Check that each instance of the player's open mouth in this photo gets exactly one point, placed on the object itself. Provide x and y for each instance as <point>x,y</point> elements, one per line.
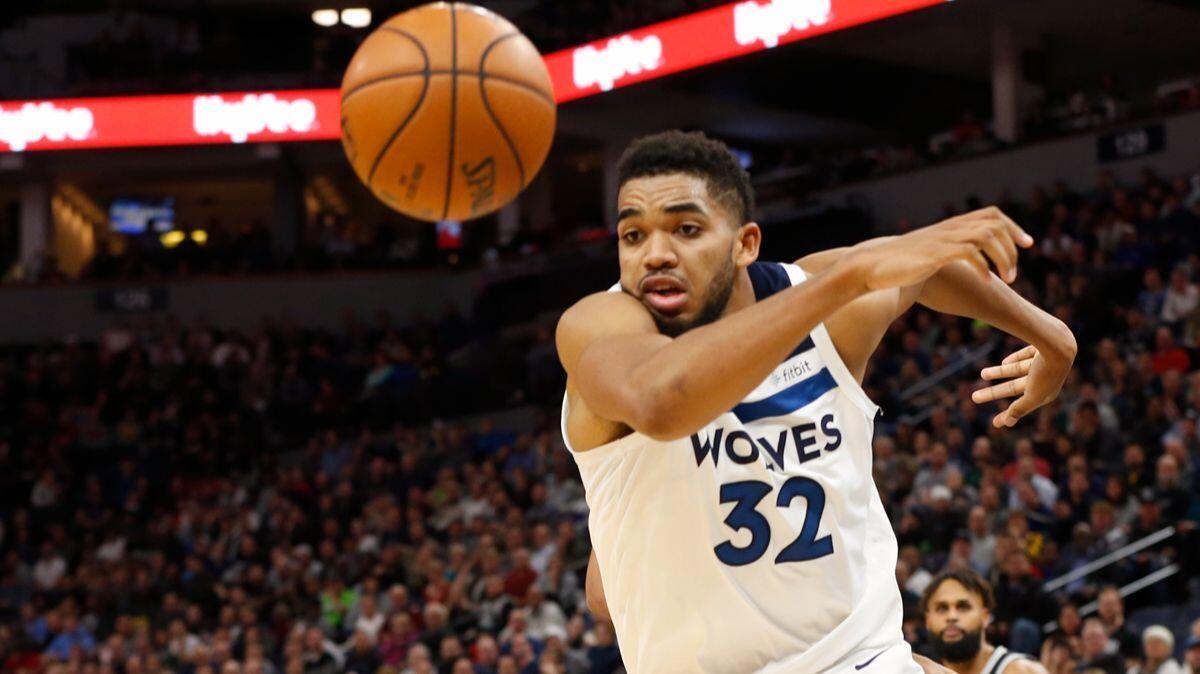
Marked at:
<point>664,294</point>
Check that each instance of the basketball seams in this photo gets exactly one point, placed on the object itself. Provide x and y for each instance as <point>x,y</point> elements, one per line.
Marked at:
<point>533,89</point>
<point>387,78</point>
<point>412,113</point>
<point>494,100</point>
<point>537,91</point>
<point>453,105</point>
<point>487,106</point>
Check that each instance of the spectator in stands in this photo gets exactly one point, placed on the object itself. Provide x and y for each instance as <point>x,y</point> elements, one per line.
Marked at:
<point>1150,298</point>
<point>1167,355</point>
<point>1191,657</point>
<point>203,500</point>
<point>1181,298</point>
<point>1157,646</point>
<point>1110,609</point>
<point>73,640</point>
<point>1099,652</point>
<point>1057,656</point>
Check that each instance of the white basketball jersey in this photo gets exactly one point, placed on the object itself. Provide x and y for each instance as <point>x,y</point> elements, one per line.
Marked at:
<point>758,544</point>
<point>1000,660</point>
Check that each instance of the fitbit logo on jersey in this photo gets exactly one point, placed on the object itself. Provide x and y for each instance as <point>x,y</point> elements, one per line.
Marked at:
<point>741,447</point>
<point>767,23</point>
<point>619,57</point>
<point>791,373</point>
<point>33,122</point>
<point>252,114</point>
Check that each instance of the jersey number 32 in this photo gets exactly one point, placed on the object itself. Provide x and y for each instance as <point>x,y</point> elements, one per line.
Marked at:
<point>746,496</point>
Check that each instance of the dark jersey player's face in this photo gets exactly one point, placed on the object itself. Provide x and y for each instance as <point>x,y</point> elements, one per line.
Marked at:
<point>679,249</point>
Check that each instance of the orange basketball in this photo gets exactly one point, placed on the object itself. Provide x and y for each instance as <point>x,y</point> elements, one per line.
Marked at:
<point>447,111</point>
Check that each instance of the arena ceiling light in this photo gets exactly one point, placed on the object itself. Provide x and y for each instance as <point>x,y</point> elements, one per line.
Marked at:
<point>325,17</point>
<point>356,17</point>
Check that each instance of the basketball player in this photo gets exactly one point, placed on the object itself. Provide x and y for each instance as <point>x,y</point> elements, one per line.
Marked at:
<point>958,608</point>
<point>715,411</point>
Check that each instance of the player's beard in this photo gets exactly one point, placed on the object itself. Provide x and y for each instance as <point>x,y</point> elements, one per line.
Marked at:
<point>720,290</point>
<point>963,650</point>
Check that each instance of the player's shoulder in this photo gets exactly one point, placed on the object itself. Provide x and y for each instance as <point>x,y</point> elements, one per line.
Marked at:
<point>598,315</point>
<point>1025,665</point>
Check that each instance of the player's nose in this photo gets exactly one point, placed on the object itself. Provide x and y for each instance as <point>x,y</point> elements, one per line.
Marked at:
<point>659,251</point>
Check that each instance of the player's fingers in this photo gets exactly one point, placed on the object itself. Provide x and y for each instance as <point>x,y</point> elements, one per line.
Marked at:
<point>1008,240</point>
<point>1027,352</point>
<point>1019,235</point>
<point>1007,370</point>
<point>1008,389</point>
<point>970,253</point>
<point>992,245</point>
<point>1018,409</point>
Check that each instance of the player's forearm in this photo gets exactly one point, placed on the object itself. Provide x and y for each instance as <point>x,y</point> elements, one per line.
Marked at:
<point>707,371</point>
<point>958,289</point>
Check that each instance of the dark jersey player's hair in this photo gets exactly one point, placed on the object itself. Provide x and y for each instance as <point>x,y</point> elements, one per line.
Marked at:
<point>696,154</point>
<point>968,578</point>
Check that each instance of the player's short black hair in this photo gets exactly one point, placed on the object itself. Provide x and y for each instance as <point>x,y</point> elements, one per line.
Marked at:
<point>696,154</point>
<point>968,578</point>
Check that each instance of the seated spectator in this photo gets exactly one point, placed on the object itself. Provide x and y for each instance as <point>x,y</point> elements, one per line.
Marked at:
<point>1110,611</point>
<point>1158,644</point>
<point>73,640</point>
<point>1167,355</point>
<point>1099,652</point>
<point>1181,298</point>
<point>1191,657</point>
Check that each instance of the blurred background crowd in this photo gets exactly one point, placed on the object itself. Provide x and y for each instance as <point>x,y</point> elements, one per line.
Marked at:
<point>275,428</point>
<point>195,499</point>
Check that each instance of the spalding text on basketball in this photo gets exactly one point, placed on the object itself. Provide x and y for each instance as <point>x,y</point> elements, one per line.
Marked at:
<point>620,56</point>
<point>767,23</point>
<point>482,179</point>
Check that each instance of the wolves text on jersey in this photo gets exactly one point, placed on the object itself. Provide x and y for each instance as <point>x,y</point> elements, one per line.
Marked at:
<point>800,443</point>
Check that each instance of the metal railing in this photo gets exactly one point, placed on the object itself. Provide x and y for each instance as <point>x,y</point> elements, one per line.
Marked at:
<point>1111,558</point>
<point>931,382</point>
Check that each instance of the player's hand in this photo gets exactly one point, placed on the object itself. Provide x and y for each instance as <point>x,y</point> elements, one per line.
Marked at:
<point>979,238</point>
<point>1028,375</point>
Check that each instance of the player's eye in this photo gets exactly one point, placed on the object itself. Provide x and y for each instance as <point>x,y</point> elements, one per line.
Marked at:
<point>689,229</point>
<point>631,236</point>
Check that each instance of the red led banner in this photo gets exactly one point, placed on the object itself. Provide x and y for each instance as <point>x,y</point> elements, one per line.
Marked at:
<point>184,119</point>
<point>713,35</point>
<point>690,41</point>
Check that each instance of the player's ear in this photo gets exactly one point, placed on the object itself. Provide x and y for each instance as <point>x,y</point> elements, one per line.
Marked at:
<point>747,244</point>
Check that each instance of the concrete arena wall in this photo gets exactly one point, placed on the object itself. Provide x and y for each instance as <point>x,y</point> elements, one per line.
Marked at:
<point>29,314</point>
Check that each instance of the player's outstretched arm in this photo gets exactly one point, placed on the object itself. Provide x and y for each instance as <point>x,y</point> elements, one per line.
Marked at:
<point>626,372</point>
<point>964,288</point>
<point>1035,374</point>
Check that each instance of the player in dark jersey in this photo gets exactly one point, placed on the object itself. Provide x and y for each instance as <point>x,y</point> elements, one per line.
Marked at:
<point>958,608</point>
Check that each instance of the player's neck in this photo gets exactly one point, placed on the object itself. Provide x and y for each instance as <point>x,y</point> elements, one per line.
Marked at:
<point>974,665</point>
<point>742,295</point>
